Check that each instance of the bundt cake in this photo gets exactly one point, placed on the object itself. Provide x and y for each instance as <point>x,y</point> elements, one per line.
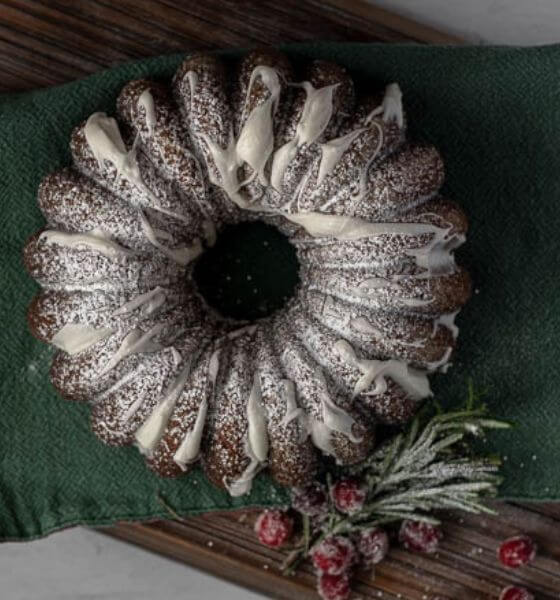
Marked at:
<point>373,314</point>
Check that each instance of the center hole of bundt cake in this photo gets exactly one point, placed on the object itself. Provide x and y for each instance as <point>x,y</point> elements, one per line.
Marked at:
<point>249,273</point>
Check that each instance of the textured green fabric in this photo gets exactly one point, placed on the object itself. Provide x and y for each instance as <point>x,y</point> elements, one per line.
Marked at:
<point>493,113</point>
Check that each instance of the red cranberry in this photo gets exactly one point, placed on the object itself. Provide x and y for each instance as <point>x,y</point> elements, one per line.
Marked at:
<point>274,528</point>
<point>348,495</point>
<point>334,555</point>
<point>310,500</point>
<point>419,536</point>
<point>373,545</point>
<point>517,551</point>
<point>513,592</point>
<point>334,587</point>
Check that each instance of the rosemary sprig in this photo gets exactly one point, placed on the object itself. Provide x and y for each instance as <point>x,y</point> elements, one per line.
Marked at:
<point>425,469</point>
<point>428,467</point>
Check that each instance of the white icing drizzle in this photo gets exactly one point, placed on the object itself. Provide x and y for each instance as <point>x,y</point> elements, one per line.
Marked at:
<point>282,158</point>
<point>146,101</point>
<point>358,197</point>
<point>392,104</point>
<point>447,320</point>
<point>163,235</point>
<point>120,382</point>
<point>105,141</point>
<point>435,258</point>
<point>152,301</point>
<point>320,436</point>
<point>177,358</point>
<point>369,287</point>
<point>106,144</point>
<point>257,433</point>
<point>192,78</point>
<point>415,302</point>
<point>256,442</point>
<point>255,143</point>
<point>214,366</point>
<point>133,408</point>
<point>315,116</point>
<point>236,333</point>
<point>152,430</point>
<point>293,411</point>
<point>75,337</point>
<point>413,381</point>
<point>391,108</point>
<point>243,484</point>
<point>227,164</point>
<point>182,256</point>
<point>189,448</point>
<point>375,283</point>
<point>363,326</point>
<point>352,228</point>
<point>134,342</point>
<point>256,139</point>
<point>334,417</point>
<point>331,152</point>
<point>442,364</point>
<point>95,240</point>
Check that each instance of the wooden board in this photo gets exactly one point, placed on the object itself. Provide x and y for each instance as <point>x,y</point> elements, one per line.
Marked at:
<point>48,42</point>
<point>465,568</point>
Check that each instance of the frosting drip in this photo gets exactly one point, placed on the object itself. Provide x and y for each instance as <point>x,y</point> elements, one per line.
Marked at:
<point>183,256</point>
<point>331,153</point>
<point>256,442</point>
<point>391,108</point>
<point>151,302</point>
<point>189,449</point>
<point>151,431</point>
<point>413,381</point>
<point>134,342</point>
<point>75,337</point>
<point>95,240</point>
<point>106,144</point>
<point>256,140</point>
<point>146,101</point>
<point>315,116</point>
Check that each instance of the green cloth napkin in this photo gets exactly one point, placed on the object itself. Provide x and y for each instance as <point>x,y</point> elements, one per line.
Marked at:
<point>495,115</point>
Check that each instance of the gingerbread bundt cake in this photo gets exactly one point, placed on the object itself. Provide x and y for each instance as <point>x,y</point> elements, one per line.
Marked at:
<point>373,314</point>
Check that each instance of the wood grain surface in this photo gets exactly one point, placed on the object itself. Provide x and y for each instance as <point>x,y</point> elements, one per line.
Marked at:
<point>465,568</point>
<point>48,42</point>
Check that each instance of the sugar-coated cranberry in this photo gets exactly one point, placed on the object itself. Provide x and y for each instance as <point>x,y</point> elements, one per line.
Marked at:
<point>373,545</point>
<point>517,551</point>
<point>348,495</point>
<point>512,592</point>
<point>334,555</point>
<point>333,587</point>
<point>274,528</point>
<point>310,500</point>
<point>419,536</point>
